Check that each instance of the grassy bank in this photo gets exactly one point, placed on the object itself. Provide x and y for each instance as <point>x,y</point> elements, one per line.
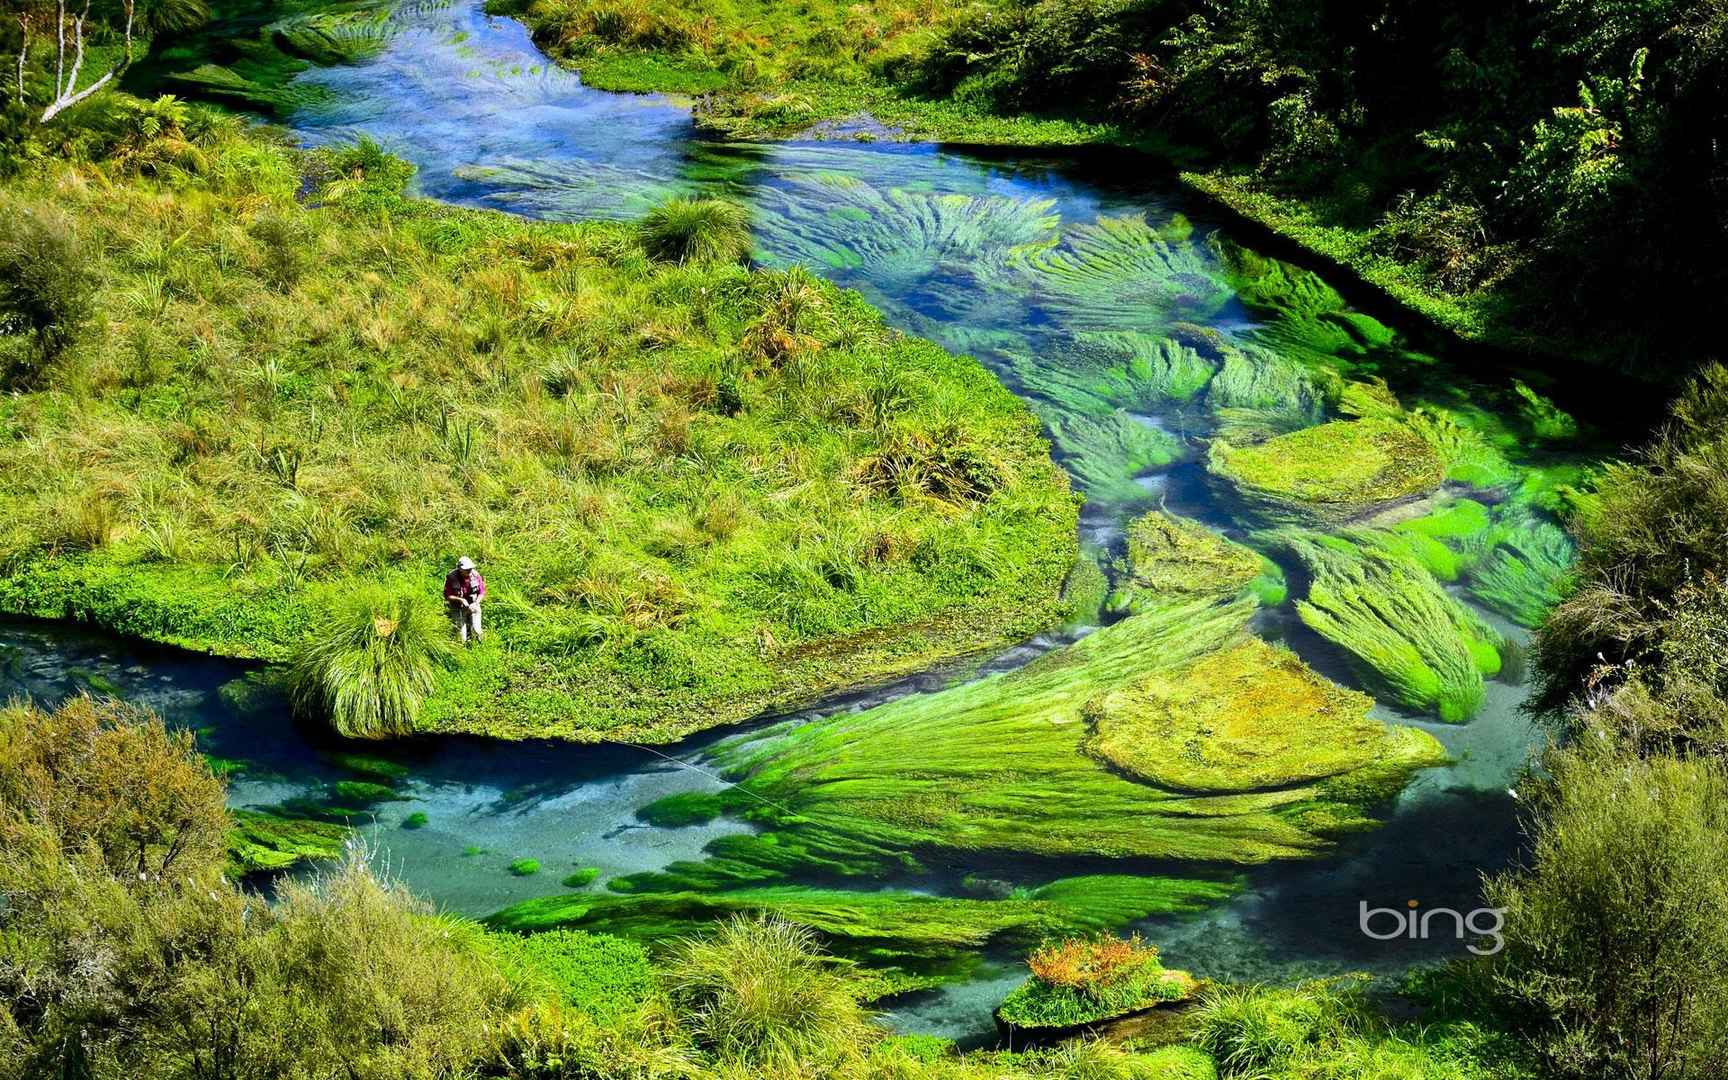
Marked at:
<point>697,491</point>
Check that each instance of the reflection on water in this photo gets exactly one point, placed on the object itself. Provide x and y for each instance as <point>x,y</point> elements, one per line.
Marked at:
<point>1032,264</point>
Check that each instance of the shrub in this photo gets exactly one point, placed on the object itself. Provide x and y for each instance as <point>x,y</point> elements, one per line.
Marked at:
<point>759,993</point>
<point>369,662</point>
<point>113,781</point>
<point>47,287</point>
<point>1617,929</point>
<point>686,231</point>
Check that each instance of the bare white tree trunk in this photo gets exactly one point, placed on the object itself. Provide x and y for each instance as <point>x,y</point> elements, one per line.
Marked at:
<point>23,51</point>
<point>131,10</point>
<point>66,93</point>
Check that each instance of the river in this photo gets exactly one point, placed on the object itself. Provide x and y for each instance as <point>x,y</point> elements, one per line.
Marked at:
<point>919,230</point>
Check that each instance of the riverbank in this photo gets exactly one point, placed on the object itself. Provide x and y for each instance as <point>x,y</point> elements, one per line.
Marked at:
<point>1046,75</point>
<point>698,492</point>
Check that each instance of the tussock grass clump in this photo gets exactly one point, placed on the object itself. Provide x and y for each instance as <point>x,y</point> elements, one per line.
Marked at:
<point>370,661</point>
<point>696,231</point>
<point>47,286</point>
<point>1329,474</point>
<point>1083,980</point>
<point>1250,716</point>
<point>1173,559</point>
<point>758,993</point>
<point>1408,634</point>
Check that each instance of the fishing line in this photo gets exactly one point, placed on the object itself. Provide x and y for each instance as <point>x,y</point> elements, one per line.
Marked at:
<point>715,777</point>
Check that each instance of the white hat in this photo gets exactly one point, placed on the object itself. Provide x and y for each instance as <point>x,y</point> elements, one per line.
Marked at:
<point>464,563</point>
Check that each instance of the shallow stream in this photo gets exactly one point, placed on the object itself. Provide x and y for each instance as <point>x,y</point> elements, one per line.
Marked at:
<point>923,232</point>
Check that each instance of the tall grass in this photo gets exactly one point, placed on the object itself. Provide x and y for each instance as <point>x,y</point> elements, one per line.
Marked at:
<point>696,231</point>
<point>370,661</point>
<point>757,993</point>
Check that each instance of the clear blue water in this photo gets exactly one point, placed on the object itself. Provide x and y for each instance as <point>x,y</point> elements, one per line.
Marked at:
<point>490,123</point>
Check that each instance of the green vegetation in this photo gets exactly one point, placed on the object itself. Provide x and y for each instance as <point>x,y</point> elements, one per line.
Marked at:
<point>1406,632</point>
<point>1084,980</point>
<point>416,820</point>
<point>582,878</point>
<point>346,975</point>
<point>1121,273</point>
<point>699,231</point>
<point>1249,717</point>
<point>1330,474</point>
<point>524,867</point>
<point>697,492</point>
<point>1171,559</point>
<point>369,661</point>
<point>266,841</point>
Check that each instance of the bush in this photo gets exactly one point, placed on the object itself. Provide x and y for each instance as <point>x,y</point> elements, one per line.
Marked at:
<point>1617,930</point>
<point>687,231</point>
<point>47,287</point>
<point>369,662</point>
<point>758,993</point>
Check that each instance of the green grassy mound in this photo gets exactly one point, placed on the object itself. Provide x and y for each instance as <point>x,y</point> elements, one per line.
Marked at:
<point>697,492</point>
<point>1083,981</point>
<point>1248,717</point>
<point>1409,635</point>
<point>1329,474</point>
<point>1174,559</point>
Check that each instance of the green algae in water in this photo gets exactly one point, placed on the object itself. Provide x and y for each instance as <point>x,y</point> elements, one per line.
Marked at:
<point>262,841</point>
<point>685,808</point>
<point>1245,718</point>
<point>524,867</point>
<point>572,190</point>
<point>416,820</point>
<point>1097,372</point>
<point>1521,568</point>
<point>1329,474</point>
<point>900,236</point>
<point>1107,455</point>
<point>925,939</point>
<point>1174,559</point>
<point>582,878</point>
<point>1122,273</point>
<point>1412,638</point>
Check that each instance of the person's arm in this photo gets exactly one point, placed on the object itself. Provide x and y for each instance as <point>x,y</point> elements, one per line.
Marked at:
<point>452,590</point>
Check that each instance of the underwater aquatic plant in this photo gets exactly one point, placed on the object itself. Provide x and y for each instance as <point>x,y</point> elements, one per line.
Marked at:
<point>1107,455</point>
<point>571,190</point>
<point>1469,457</point>
<point>1546,421</point>
<point>368,662</point>
<point>336,37</point>
<point>1258,394</point>
<point>1248,717</point>
<point>1172,559</point>
<point>1098,371</point>
<point>696,231</point>
<point>1415,640</point>
<point>1328,474</point>
<point>1122,273</point>
<point>1522,563</point>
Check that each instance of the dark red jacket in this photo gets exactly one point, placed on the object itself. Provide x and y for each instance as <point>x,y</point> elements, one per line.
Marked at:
<point>464,585</point>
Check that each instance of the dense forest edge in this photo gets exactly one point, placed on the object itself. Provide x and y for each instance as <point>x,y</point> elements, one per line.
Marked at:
<point>133,948</point>
<point>1545,179</point>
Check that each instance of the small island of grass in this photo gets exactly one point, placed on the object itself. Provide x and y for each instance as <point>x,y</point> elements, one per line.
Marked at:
<point>1080,982</point>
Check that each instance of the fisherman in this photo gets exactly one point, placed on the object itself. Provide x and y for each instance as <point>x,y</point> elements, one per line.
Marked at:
<point>464,588</point>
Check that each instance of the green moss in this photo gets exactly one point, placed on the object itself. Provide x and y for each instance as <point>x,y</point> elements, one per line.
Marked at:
<point>1248,717</point>
<point>525,867</point>
<point>605,977</point>
<point>582,878</point>
<point>362,793</point>
<point>1329,474</point>
<point>265,841</point>
<point>1173,559</point>
<point>1407,634</point>
<point>416,820</point>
